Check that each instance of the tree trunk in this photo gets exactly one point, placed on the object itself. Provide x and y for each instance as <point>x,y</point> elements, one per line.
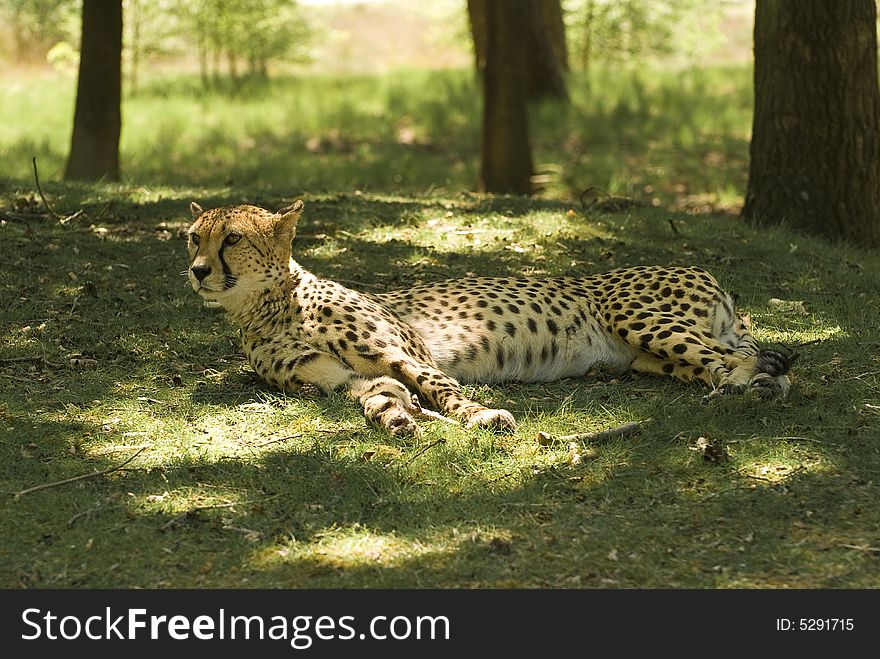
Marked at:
<point>204,66</point>
<point>232,61</point>
<point>479,31</point>
<point>94,150</point>
<point>543,40</point>
<point>587,42</point>
<point>554,24</point>
<point>135,16</point>
<point>547,52</point>
<point>505,150</point>
<point>815,151</point>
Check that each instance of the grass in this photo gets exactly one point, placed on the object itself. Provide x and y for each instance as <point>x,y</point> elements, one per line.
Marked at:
<point>106,350</point>
<point>672,138</point>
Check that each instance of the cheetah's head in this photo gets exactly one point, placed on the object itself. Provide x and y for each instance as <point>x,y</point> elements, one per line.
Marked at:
<point>238,251</point>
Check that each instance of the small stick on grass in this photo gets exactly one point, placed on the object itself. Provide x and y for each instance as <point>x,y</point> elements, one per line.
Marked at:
<point>431,414</point>
<point>82,477</point>
<point>83,513</point>
<point>20,220</point>
<point>423,450</point>
<point>276,440</point>
<point>58,216</point>
<point>625,430</point>
<point>866,548</point>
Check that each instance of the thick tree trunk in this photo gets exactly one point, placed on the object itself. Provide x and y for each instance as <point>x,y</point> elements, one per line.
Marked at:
<point>544,42</point>
<point>815,151</point>
<point>506,153</point>
<point>94,150</point>
<point>479,31</point>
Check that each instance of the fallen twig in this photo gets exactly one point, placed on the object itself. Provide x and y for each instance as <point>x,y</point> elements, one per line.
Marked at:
<point>294,436</point>
<point>625,430</point>
<point>83,513</point>
<point>58,216</point>
<point>52,211</point>
<point>431,414</point>
<point>46,486</point>
<point>423,450</point>
<point>277,440</point>
<point>865,548</point>
<point>19,220</point>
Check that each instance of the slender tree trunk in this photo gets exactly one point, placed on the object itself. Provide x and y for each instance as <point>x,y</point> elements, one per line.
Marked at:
<point>216,57</point>
<point>204,67</point>
<point>588,27</point>
<point>232,61</point>
<point>134,14</point>
<point>815,151</point>
<point>506,153</point>
<point>554,23</point>
<point>94,150</point>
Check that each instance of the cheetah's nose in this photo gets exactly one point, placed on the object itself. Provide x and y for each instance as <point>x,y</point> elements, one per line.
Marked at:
<point>201,271</point>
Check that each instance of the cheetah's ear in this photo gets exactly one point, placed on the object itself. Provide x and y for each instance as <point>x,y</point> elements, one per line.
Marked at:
<point>196,210</point>
<point>286,225</point>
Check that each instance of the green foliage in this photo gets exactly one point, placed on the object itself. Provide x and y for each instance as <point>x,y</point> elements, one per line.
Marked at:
<point>106,351</point>
<point>630,30</point>
<point>239,38</point>
<point>664,137</point>
<point>257,32</point>
<point>32,27</point>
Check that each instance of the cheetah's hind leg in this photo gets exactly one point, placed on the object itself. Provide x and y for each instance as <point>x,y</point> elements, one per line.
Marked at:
<point>766,374</point>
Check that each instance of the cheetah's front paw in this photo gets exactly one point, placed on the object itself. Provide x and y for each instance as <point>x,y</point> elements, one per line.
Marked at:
<point>387,413</point>
<point>770,386</point>
<point>387,405</point>
<point>499,420</point>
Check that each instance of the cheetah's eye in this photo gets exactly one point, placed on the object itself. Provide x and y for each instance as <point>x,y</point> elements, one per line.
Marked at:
<point>195,238</point>
<point>232,238</point>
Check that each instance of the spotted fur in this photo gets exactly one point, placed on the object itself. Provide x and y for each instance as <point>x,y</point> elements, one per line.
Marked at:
<point>297,328</point>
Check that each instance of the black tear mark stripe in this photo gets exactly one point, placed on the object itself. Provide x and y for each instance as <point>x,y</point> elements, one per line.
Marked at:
<point>228,278</point>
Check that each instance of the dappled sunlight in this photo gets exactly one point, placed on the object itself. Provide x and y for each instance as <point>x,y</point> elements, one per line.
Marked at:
<point>766,331</point>
<point>414,131</point>
<point>775,472</point>
<point>239,485</point>
<point>342,548</point>
<point>178,503</point>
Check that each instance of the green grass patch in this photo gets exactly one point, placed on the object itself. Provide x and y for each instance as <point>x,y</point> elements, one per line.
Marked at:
<point>106,351</point>
<point>672,138</point>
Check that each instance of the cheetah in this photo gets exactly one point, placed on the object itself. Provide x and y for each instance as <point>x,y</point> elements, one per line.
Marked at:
<point>397,351</point>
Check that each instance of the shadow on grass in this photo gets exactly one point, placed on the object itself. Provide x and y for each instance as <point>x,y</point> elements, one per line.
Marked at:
<point>303,518</point>
<point>319,511</point>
